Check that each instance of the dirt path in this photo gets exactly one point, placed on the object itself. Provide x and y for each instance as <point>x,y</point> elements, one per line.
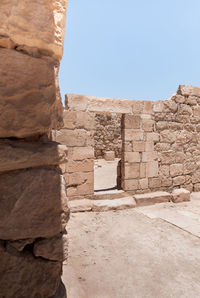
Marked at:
<point>125,254</point>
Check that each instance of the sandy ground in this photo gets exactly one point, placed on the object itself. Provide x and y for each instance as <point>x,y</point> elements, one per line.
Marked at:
<point>129,254</point>
<point>105,174</point>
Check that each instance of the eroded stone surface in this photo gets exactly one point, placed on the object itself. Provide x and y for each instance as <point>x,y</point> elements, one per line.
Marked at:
<point>22,275</point>
<point>20,155</point>
<point>180,195</point>
<point>32,204</point>
<point>28,95</point>
<point>152,198</point>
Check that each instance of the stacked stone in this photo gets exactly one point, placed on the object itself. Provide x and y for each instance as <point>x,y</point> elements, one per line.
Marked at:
<point>107,134</point>
<point>78,135</point>
<point>33,204</point>
<point>178,124</point>
<point>139,159</point>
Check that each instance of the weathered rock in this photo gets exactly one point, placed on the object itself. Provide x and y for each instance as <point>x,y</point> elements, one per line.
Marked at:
<point>20,155</point>
<point>28,95</point>
<point>115,204</point>
<point>109,155</point>
<point>20,244</point>
<point>54,248</point>
<point>80,205</point>
<point>38,24</point>
<point>180,195</point>
<point>187,90</point>
<point>35,207</point>
<point>22,275</point>
<point>152,198</point>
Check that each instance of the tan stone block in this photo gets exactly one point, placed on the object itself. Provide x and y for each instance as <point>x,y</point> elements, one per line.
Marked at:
<point>80,153</point>
<point>78,178</point>
<point>72,138</point>
<point>109,155</point>
<point>164,170</point>
<point>54,248</point>
<point>191,167</point>
<point>72,191</point>
<point>143,170</point>
<point>196,111</point>
<point>20,216</point>
<point>147,125</point>
<point>149,156</point>
<point>80,166</point>
<point>158,106</point>
<point>133,135</point>
<point>143,183</point>
<point>28,108</point>
<point>131,171</point>
<point>152,169</point>
<point>168,157</point>
<point>167,136</point>
<point>152,198</point>
<point>148,107</point>
<point>176,170</point>
<point>166,181</point>
<point>43,30</point>
<point>190,187</point>
<point>16,155</point>
<point>138,146</point>
<point>170,106</point>
<point>162,125</point>
<point>130,185</point>
<point>131,121</point>
<point>187,90</point>
<point>132,157</point>
<point>196,177</point>
<point>127,146</point>
<point>196,187</point>
<point>152,136</point>
<point>180,195</point>
<point>162,147</point>
<point>179,180</point>
<point>185,109</point>
<point>85,189</point>
<point>149,146</point>
<point>154,183</point>
<point>137,106</point>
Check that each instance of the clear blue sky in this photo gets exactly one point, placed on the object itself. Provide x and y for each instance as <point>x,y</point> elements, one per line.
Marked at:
<point>136,49</point>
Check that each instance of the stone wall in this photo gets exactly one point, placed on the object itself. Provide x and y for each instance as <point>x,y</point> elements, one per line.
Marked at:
<point>161,144</point>
<point>107,134</point>
<point>33,202</point>
<point>78,135</point>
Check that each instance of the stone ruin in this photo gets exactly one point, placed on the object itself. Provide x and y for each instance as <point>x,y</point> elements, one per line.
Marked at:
<point>160,147</point>
<point>33,204</point>
<point>160,142</point>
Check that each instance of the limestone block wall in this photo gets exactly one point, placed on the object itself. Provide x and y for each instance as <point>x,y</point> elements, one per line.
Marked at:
<point>33,202</point>
<point>78,135</point>
<point>107,134</point>
<point>161,144</point>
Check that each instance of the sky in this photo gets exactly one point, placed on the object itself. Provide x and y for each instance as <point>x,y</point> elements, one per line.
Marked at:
<point>134,49</point>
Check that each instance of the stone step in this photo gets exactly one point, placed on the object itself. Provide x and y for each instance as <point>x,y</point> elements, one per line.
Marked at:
<point>115,204</point>
<point>101,205</point>
<point>110,195</point>
<point>152,198</point>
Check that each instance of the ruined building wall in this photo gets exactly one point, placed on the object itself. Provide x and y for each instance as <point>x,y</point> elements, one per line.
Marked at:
<point>78,135</point>
<point>107,134</point>
<point>161,148</point>
<point>33,203</point>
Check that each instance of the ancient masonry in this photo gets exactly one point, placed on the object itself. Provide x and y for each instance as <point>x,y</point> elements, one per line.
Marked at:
<point>160,142</point>
<point>33,204</point>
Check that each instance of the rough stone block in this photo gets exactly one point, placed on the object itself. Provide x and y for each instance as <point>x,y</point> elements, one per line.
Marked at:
<point>20,216</point>
<point>34,275</point>
<point>34,25</point>
<point>72,138</point>
<point>187,90</point>
<point>153,136</point>
<point>149,146</point>
<point>78,178</point>
<point>154,183</point>
<point>109,155</point>
<point>147,125</point>
<point>54,248</point>
<point>131,121</point>
<point>143,183</point>
<point>143,170</point>
<point>148,107</point>
<point>180,195</point>
<point>152,169</point>
<point>138,146</point>
<point>86,165</point>
<point>132,157</point>
<point>78,119</point>
<point>28,95</point>
<point>176,170</point>
<point>131,170</point>
<point>20,155</point>
<point>115,204</point>
<point>80,153</point>
<point>80,205</point>
<point>179,180</point>
<point>130,185</point>
<point>149,156</point>
<point>152,198</point>
<point>133,135</point>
